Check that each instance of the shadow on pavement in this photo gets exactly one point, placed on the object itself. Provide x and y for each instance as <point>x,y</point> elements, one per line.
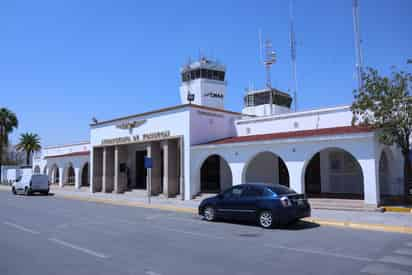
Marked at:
<point>300,225</point>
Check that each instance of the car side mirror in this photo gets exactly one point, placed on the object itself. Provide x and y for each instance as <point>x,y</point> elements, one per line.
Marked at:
<point>220,196</point>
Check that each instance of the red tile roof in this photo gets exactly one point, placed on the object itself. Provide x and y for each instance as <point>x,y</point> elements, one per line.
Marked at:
<point>84,153</point>
<point>295,134</point>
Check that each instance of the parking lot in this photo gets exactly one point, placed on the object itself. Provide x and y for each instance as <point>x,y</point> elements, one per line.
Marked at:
<point>50,235</point>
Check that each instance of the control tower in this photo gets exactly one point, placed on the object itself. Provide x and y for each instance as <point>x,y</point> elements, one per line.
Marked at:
<point>203,83</point>
<point>257,102</point>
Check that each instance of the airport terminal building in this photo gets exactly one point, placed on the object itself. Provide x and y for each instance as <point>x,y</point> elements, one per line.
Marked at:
<point>198,147</point>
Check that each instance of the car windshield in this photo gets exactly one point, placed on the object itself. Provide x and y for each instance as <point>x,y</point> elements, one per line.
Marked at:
<point>281,190</point>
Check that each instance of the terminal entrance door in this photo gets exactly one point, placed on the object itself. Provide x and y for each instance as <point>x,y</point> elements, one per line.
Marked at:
<point>141,173</point>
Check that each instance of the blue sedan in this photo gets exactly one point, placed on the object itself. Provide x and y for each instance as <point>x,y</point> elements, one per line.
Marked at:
<point>269,205</point>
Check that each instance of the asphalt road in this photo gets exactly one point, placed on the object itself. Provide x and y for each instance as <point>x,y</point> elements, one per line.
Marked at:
<point>49,235</point>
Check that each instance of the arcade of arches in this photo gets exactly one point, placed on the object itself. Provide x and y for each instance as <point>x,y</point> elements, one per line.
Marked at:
<point>67,176</point>
<point>331,172</point>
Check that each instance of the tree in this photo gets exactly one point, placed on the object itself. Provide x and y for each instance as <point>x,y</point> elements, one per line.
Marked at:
<point>385,103</point>
<point>8,122</point>
<point>29,143</point>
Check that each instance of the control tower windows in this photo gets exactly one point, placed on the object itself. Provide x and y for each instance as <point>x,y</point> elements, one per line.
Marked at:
<point>203,73</point>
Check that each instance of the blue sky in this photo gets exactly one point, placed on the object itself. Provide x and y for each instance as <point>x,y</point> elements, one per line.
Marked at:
<point>62,62</point>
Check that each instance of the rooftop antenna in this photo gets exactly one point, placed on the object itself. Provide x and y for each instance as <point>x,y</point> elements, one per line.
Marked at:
<point>358,43</point>
<point>270,59</point>
<point>293,57</point>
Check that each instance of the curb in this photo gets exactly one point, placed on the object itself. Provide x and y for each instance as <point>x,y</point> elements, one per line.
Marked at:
<point>397,209</point>
<point>363,226</point>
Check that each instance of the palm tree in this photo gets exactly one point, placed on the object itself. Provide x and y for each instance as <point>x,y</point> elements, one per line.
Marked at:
<point>8,122</point>
<point>29,143</point>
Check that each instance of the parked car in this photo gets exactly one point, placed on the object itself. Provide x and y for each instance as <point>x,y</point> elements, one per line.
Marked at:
<point>29,184</point>
<point>269,205</point>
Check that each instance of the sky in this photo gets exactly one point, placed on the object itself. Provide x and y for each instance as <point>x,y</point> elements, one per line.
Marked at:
<point>64,62</point>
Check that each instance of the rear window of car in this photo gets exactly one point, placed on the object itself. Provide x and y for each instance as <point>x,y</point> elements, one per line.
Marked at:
<point>40,177</point>
<point>281,190</point>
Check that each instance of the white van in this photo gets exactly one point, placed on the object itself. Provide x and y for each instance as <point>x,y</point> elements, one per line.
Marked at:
<point>29,184</point>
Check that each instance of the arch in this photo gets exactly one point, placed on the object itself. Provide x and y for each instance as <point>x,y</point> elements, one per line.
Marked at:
<point>69,175</point>
<point>36,170</point>
<point>215,175</point>
<point>85,179</point>
<point>266,167</point>
<point>333,172</point>
<point>45,170</point>
<point>54,174</point>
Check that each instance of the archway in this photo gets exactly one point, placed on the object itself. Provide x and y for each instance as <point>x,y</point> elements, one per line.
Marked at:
<point>215,175</point>
<point>37,169</point>
<point>267,168</point>
<point>85,175</point>
<point>45,170</point>
<point>334,173</point>
<point>69,175</point>
<point>54,174</point>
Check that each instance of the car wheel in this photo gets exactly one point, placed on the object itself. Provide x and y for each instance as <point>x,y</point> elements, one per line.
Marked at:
<point>27,191</point>
<point>13,190</point>
<point>46,193</point>
<point>209,213</point>
<point>266,219</point>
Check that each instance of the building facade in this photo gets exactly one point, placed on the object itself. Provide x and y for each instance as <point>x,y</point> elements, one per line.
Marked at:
<point>66,165</point>
<point>199,147</point>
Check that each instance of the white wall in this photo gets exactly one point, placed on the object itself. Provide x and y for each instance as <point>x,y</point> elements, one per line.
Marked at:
<point>201,88</point>
<point>206,126</point>
<point>264,110</point>
<point>316,119</point>
<point>65,149</point>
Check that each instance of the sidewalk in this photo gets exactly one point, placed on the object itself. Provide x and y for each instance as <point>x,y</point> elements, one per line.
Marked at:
<point>377,221</point>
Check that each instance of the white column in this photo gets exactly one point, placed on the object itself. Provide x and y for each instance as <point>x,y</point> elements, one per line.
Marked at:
<point>61,177</point>
<point>370,181</point>
<point>77,178</point>
<point>116,170</point>
<point>165,147</point>
<point>91,169</point>
<point>237,172</point>
<point>296,176</point>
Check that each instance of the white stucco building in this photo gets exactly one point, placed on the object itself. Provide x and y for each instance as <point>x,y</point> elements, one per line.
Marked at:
<point>199,147</point>
<point>65,164</point>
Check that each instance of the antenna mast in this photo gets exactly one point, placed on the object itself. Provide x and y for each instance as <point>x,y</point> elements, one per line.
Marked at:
<point>358,42</point>
<point>293,57</point>
<point>270,59</point>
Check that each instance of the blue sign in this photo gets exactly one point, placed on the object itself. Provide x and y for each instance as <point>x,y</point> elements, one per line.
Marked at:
<point>148,162</point>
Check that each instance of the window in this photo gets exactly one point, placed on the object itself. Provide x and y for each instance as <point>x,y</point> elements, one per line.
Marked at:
<point>281,190</point>
<point>252,191</point>
<point>235,192</point>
